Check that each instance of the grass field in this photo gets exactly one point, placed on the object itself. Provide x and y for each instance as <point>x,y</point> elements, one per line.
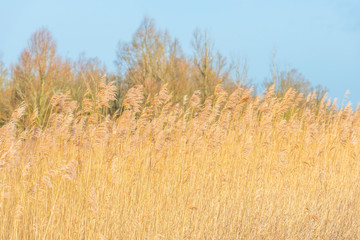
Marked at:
<point>228,167</point>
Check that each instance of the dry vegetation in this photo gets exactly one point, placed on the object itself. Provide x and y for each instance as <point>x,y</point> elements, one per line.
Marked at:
<point>171,147</point>
<point>233,167</point>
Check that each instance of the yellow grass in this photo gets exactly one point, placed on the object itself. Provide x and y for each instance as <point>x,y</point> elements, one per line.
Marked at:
<point>235,167</point>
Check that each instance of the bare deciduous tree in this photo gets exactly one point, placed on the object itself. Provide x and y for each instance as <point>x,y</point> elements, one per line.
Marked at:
<point>39,73</point>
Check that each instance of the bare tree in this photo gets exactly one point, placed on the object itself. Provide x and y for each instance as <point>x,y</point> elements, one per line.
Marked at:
<point>211,68</point>
<point>151,59</point>
<point>39,73</point>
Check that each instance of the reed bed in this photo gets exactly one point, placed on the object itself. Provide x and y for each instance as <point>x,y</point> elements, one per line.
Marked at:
<point>232,166</point>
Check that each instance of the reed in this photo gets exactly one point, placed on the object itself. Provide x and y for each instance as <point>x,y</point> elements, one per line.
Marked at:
<point>227,167</point>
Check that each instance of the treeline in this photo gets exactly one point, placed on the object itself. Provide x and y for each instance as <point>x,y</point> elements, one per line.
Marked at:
<point>152,59</point>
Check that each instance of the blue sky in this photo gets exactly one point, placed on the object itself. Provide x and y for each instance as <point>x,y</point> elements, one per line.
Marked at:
<point>320,38</point>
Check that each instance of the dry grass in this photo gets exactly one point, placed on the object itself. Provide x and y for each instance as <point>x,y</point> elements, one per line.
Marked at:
<point>235,167</point>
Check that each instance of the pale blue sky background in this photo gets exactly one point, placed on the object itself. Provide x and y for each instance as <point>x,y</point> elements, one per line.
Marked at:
<point>320,38</point>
